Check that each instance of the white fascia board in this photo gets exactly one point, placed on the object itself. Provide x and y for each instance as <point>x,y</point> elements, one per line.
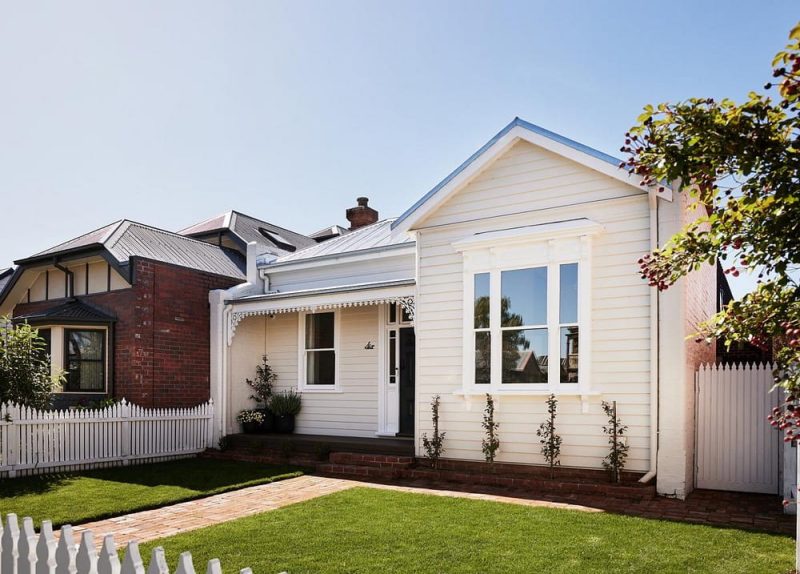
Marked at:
<point>504,143</point>
<point>530,233</point>
<point>397,250</point>
<point>324,300</point>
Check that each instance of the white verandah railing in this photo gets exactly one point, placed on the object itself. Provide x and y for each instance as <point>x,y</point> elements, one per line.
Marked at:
<point>36,441</point>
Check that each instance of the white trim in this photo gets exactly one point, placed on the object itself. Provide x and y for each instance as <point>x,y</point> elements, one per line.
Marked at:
<point>369,254</point>
<point>318,301</point>
<point>516,134</point>
<point>302,382</point>
<point>530,233</point>
<point>498,257</point>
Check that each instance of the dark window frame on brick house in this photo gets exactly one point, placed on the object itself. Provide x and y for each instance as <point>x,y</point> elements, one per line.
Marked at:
<point>70,359</point>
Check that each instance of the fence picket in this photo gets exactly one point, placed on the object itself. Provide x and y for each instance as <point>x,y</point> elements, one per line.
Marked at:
<point>27,548</point>
<point>108,561</point>
<point>158,562</point>
<point>46,550</point>
<point>66,552</point>
<point>185,565</point>
<point>9,543</point>
<point>132,563</point>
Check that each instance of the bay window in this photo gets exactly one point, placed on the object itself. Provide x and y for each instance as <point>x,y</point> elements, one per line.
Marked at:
<point>526,320</point>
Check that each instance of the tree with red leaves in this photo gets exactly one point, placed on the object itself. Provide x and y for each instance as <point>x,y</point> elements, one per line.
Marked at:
<point>741,162</point>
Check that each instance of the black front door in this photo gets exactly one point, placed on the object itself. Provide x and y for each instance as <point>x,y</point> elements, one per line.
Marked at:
<point>407,350</point>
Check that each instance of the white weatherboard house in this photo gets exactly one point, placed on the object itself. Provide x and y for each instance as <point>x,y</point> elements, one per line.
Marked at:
<point>517,275</point>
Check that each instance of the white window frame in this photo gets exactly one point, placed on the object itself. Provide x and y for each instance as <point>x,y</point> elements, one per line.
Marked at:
<point>302,384</point>
<point>527,250</point>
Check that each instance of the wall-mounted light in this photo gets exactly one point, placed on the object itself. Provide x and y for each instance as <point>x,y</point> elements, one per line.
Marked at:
<point>369,346</point>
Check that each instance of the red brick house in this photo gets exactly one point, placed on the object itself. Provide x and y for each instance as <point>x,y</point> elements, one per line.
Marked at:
<point>125,308</point>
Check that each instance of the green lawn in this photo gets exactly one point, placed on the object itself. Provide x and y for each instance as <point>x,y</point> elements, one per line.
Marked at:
<point>369,530</point>
<point>90,495</point>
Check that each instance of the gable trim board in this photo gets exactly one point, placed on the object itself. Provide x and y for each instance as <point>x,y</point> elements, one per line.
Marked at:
<point>515,131</point>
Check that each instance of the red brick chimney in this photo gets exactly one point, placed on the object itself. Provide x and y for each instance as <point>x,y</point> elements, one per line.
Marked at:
<point>362,214</point>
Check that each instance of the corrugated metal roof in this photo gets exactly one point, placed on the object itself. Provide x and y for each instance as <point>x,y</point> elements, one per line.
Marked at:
<point>276,241</point>
<point>133,239</point>
<point>91,238</point>
<point>125,239</point>
<point>372,236</point>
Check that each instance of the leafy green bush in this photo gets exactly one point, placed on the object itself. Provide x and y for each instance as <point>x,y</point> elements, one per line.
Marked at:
<point>25,375</point>
<point>285,403</point>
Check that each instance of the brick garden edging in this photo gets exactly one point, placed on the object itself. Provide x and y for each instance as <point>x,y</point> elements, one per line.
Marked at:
<point>528,483</point>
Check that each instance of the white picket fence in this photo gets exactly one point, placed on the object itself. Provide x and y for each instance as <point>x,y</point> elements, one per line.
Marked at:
<point>736,448</point>
<point>23,551</point>
<point>35,441</point>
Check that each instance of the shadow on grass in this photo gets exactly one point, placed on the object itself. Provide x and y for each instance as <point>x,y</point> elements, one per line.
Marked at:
<point>36,484</point>
<point>197,474</point>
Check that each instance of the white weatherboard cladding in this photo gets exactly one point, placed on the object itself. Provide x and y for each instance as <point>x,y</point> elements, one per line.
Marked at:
<point>529,186</point>
<point>353,411</point>
<point>378,269</point>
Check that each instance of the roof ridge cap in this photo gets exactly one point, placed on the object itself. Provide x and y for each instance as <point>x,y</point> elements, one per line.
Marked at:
<point>174,234</point>
<point>225,214</point>
<point>76,238</point>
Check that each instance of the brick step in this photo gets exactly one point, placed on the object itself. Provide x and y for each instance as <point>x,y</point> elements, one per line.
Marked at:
<point>359,471</point>
<point>373,460</point>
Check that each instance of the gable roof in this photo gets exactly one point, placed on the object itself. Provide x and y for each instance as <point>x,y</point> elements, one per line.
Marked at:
<point>125,239</point>
<point>368,238</point>
<point>515,131</point>
<point>244,229</point>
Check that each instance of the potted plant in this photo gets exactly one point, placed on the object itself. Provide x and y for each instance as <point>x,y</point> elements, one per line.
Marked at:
<point>285,406</point>
<point>251,420</point>
<point>262,391</point>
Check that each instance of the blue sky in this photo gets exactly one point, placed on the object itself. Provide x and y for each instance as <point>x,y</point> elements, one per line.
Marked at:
<point>168,112</point>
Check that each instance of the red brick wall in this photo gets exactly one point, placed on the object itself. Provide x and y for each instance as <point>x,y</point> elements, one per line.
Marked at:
<point>701,301</point>
<point>161,337</point>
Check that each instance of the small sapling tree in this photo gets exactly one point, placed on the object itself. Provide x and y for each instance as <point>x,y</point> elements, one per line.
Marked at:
<point>434,446</point>
<point>491,442</point>
<point>549,438</point>
<point>262,384</point>
<point>614,462</point>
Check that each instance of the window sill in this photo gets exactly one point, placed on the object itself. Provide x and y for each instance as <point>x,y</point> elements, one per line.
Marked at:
<point>524,392</point>
<point>312,391</point>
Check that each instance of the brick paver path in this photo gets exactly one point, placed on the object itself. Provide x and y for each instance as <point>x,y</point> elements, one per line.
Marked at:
<point>194,514</point>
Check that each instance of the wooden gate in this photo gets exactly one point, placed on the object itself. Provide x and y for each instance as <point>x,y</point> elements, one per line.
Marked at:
<point>736,448</point>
